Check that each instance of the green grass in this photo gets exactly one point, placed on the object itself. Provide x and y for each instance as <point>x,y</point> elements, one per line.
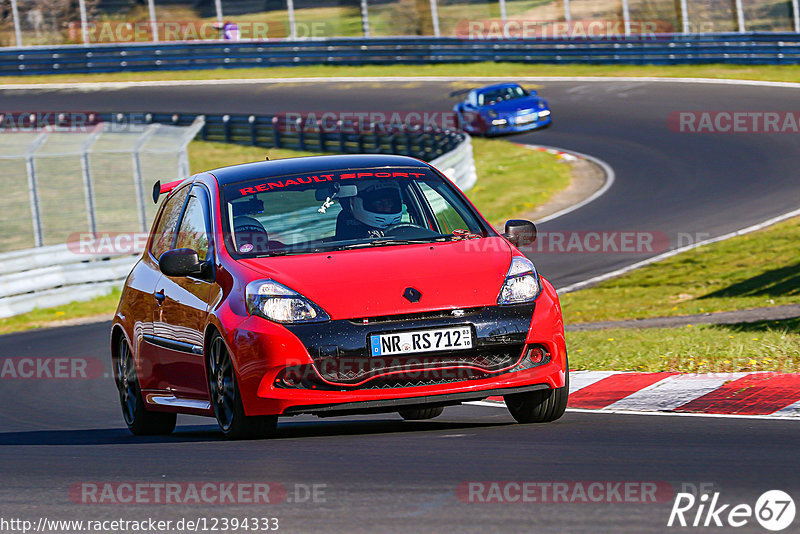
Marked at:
<point>786,73</point>
<point>764,346</point>
<point>750,271</point>
<point>204,155</point>
<point>104,305</point>
<point>495,178</point>
<point>513,180</point>
<point>758,269</point>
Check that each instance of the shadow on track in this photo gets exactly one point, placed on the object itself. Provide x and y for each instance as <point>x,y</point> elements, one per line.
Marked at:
<point>201,433</point>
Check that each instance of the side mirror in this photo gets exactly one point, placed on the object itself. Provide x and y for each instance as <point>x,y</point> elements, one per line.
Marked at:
<point>520,233</point>
<point>180,262</point>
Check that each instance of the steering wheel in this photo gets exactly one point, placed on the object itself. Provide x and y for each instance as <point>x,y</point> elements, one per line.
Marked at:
<point>408,230</point>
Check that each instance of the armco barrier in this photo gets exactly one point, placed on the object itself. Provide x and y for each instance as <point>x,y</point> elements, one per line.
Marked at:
<point>746,48</point>
<point>56,275</point>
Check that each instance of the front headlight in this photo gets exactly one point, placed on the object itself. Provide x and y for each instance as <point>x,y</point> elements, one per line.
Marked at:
<point>522,283</point>
<point>276,302</point>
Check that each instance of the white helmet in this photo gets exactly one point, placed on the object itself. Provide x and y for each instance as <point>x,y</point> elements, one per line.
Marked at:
<point>378,204</point>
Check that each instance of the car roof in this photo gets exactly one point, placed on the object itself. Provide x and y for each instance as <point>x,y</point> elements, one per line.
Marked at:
<point>497,86</point>
<point>310,164</point>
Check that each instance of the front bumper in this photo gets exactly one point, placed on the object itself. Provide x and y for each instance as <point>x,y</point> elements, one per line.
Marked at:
<point>265,351</point>
<point>513,127</point>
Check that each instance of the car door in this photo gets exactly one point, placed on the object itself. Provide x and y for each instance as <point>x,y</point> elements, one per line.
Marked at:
<point>183,303</point>
<point>147,275</point>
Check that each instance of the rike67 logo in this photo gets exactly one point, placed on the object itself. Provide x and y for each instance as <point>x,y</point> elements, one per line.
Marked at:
<point>774,510</point>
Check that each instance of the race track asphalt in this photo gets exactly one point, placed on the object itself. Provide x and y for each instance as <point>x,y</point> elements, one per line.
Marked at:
<point>381,474</point>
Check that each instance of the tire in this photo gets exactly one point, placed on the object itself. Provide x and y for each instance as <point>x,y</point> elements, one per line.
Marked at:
<point>140,421</point>
<point>539,406</point>
<point>418,414</point>
<point>226,400</point>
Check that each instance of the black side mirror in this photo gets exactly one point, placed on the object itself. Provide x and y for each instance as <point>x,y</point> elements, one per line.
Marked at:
<point>180,262</point>
<point>520,233</point>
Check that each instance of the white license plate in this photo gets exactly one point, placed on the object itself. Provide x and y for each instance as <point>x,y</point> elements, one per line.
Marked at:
<point>455,338</point>
<point>525,119</point>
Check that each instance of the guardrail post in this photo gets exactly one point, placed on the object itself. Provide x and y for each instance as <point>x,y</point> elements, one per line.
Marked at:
<point>740,15</point>
<point>626,17</point>
<point>226,128</point>
<point>568,14</point>
<point>435,18</point>
<point>323,142</point>
<point>137,174</point>
<point>408,143</point>
<point>86,171</point>
<point>503,14</point>
<point>253,130</point>
<point>796,15</point>
<point>33,189</point>
<point>301,135</point>
<point>84,22</point>
<point>218,7</point>
<point>276,132</point>
<point>292,22</point>
<point>342,139</point>
<point>685,16</point>
<point>151,6</point>
<point>364,18</point>
<point>15,16</point>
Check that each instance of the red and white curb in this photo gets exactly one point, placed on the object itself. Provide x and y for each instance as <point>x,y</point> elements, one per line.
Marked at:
<point>764,394</point>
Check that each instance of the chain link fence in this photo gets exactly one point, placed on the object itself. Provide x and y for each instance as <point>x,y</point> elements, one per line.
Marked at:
<point>56,22</point>
<point>92,180</point>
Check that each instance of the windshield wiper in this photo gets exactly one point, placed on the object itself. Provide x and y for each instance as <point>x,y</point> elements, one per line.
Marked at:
<point>385,241</point>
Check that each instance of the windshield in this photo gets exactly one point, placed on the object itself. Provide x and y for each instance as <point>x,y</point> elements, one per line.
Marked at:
<point>347,209</point>
<point>493,96</point>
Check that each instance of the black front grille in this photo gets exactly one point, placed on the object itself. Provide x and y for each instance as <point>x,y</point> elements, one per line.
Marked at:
<point>351,370</point>
<point>339,349</point>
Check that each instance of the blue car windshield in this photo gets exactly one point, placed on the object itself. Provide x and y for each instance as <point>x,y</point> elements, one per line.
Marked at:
<point>493,96</point>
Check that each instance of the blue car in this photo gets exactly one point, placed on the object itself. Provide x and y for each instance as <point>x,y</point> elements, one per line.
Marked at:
<point>501,108</point>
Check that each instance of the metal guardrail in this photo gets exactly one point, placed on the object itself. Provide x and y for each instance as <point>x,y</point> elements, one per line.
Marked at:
<point>56,275</point>
<point>747,48</point>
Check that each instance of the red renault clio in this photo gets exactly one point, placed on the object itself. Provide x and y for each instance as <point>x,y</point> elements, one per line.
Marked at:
<point>332,285</point>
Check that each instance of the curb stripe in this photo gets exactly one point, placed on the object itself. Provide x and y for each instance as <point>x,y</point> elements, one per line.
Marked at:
<point>674,391</point>
<point>754,394</point>
<point>613,388</point>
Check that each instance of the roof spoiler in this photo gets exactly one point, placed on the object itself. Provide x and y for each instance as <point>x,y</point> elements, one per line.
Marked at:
<point>460,92</point>
<point>159,189</point>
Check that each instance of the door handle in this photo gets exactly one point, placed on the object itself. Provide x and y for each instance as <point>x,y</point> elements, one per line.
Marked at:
<point>160,296</point>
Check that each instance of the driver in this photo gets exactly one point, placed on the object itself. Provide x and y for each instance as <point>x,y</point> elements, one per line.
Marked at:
<point>377,206</point>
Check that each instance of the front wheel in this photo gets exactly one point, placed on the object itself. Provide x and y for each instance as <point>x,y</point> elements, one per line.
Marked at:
<point>227,400</point>
<point>539,406</point>
<point>140,421</point>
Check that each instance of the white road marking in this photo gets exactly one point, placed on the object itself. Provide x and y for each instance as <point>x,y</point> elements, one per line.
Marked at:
<point>776,416</point>
<point>581,379</point>
<point>378,79</point>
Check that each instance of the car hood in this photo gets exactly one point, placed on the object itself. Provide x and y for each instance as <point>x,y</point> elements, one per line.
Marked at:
<point>510,106</point>
<point>370,282</point>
